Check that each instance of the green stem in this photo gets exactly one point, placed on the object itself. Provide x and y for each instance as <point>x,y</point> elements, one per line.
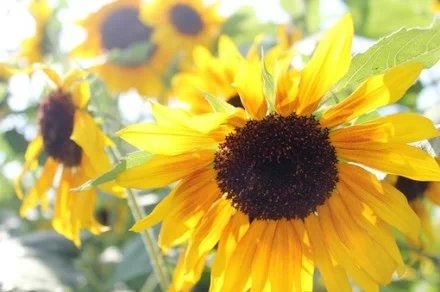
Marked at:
<point>147,236</point>
<point>150,243</point>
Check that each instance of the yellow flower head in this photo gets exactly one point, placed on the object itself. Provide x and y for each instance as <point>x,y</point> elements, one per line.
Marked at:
<point>75,148</point>
<point>283,185</point>
<point>116,27</point>
<point>180,25</point>
<point>34,48</point>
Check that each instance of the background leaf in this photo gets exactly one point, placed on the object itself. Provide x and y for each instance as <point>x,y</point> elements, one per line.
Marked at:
<point>402,47</point>
<point>131,160</point>
<point>376,18</point>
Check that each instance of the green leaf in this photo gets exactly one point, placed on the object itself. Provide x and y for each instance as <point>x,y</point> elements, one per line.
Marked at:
<point>16,141</point>
<point>268,88</point>
<point>295,8</point>
<point>218,104</point>
<point>376,18</point>
<point>131,160</point>
<point>135,262</point>
<point>405,46</point>
<point>243,26</point>
<point>135,54</point>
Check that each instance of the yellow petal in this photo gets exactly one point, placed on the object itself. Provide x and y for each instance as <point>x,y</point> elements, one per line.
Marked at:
<point>227,50</point>
<point>92,141</point>
<point>157,215</point>
<point>37,194</point>
<point>208,232</point>
<point>397,128</point>
<point>403,160</point>
<point>367,253</point>
<point>74,76</point>
<point>203,123</point>
<point>234,231</point>
<point>33,150</point>
<point>334,276</point>
<point>206,236</point>
<point>161,170</point>
<point>249,85</point>
<point>377,91</point>
<point>192,199</point>
<point>307,271</point>
<point>261,260</point>
<point>166,140</point>
<point>166,116</point>
<point>285,258</point>
<point>183,279</point>
<point>53,75</point>
<point>388,204</point>
<point>75,211</point>
<point>81,94</point>
<point>238,270</point>
<point>329,63</point>
<point>377,229</point>
<point>342,253</point>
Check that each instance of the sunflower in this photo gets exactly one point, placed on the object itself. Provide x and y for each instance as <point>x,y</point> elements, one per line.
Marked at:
<point>283,185</point>
<point>215,74</point>
<point>418,193</point>
<point>34,48</point>
<point>116,27</point>
<point>180,25</point>
<point>75,148</point>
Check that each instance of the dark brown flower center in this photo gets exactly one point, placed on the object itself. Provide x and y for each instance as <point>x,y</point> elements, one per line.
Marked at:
<point>412,189</point>
<point>56,115</point>
<point>123,29</point>
<point>186,20</point>
<point>279,167</point>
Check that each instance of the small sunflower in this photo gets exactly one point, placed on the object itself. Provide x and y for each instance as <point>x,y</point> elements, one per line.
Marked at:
<point>34,48</point>
<point>283,185</point>
<point>215,74</point>
<point>116,27</point>
<point>75,148</point>
<point>416,192</point>
<point>180,25</point>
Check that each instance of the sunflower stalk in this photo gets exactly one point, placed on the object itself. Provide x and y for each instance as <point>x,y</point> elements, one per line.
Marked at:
<point>150,243</point>
<point>147,236</point>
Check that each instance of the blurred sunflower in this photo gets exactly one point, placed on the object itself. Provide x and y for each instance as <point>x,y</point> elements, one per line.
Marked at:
<point>436,6</point>
<point>279,187</point>
<point>75,148</point>
<point>133,60</point>
<point>215,74</point>
<point>209,74</point>
<point>416,192</point>
<point>34,48</point>
<point>180,25</point>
